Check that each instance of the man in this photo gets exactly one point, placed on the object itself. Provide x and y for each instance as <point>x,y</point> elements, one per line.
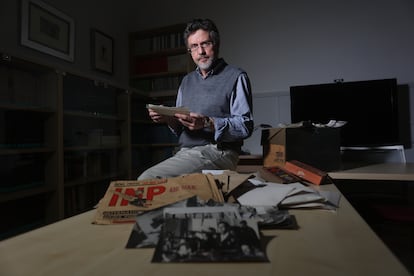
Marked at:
<point>219,98</point>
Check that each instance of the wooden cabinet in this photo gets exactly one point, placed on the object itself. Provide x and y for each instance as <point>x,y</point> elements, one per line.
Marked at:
<point>95,127</point>
<point>63,138</point>
<point>150,142</point>
<point>30,194</point>
<point>158,62</point>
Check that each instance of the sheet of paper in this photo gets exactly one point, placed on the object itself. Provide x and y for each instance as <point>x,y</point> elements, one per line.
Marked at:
<point>168,110</point>
<point>302,198</point>
<point>270,195</point>
<point>332,197</point>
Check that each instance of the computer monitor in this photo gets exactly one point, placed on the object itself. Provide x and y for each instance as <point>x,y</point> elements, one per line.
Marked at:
<point>374,110</point>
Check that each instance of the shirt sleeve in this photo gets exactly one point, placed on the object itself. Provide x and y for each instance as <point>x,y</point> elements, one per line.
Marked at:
<point>177,129</point>
<point>240,123</point>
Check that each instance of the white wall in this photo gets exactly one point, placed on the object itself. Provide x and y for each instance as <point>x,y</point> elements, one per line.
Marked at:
<point>285,43</point>
<point>279,43</point>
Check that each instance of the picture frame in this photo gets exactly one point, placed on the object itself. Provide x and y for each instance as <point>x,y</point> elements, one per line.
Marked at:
<point>102,52</point>
<point>48,30</point>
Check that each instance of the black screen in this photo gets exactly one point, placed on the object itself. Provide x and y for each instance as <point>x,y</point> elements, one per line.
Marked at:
<point>369,107</point>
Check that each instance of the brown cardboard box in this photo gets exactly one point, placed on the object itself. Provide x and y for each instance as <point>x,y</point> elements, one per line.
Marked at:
<point>318,147</point>
<point>304,171</point>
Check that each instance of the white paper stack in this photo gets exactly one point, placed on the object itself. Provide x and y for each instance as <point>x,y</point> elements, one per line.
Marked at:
<point>293,195</point>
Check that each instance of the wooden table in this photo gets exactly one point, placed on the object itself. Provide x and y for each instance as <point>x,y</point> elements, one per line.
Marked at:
<point>327,243</point>
<point>384,171</point>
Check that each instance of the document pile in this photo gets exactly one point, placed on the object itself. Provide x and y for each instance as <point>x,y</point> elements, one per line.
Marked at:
<point>195,230</point>
<point>256,191</point>
<point>215,216</point>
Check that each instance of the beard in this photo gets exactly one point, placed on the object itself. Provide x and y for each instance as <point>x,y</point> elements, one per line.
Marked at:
<point>205,65</point>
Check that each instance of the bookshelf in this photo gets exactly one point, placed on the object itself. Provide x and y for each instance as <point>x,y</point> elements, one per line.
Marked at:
<point>95,139</point>
<point>150,142</point>
<point>63,138</point>
<point>29,146</point>
<point>158,62</point>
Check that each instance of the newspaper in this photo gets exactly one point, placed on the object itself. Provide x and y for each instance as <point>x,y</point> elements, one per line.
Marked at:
<point>125,199</point>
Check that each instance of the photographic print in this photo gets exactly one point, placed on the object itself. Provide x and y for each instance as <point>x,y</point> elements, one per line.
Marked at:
<point>47,30</point>
<point>209,239</point>
<point>102,52</point>
<point>147,227</point>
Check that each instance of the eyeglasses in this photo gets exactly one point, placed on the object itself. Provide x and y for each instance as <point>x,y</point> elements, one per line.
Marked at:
<point>204,45</point>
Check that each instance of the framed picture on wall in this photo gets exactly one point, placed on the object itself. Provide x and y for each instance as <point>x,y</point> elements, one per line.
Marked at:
<point>47,29</point>
<point>102,52</point>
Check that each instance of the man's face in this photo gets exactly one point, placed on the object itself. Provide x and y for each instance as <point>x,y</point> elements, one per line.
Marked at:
<point>201,49</point>
<point>221,228</point>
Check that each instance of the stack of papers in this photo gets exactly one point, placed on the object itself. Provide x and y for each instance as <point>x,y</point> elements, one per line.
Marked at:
<point>293,195</point>
<point>168,110</point>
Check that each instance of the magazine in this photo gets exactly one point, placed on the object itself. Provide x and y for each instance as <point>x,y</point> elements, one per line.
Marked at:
<point>125,199</point>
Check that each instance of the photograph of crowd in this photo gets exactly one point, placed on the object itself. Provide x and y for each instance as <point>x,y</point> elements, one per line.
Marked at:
<point>209,239</point>
<point>147,228</point>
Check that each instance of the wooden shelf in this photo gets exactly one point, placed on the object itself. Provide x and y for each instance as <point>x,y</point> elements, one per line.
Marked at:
<point>24,192</point>
<point>65,136</point>
<point>29,144</point>
<point>16,151</point>
<point>158,62</point>
<point>46,118</point>
<point>92,115</point>
<point>87,180</point>
<point>22,107</point>
<point>159,145</point>
<point>163,52</point>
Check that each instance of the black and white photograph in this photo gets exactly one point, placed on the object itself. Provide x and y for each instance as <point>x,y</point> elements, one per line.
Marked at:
<point>102,52</point>
<point>147,227</point>
<point>269,217</point>
<point>209,240</point>
<point>48,30</point>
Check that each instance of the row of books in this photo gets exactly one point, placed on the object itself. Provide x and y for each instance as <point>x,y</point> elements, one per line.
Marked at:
<point>84,197</point>
<point>89,165</point>
<point>161,64</point>
<point>157,84</point>
<point>20,172</point>
<point>23,88</point>
<point>158,43</point>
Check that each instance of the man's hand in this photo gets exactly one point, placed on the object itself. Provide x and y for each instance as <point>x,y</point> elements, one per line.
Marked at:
<point>193,121</point>
<point>157,118</point>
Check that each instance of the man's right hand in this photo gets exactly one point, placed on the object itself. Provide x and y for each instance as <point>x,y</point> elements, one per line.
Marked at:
<point>155,117</point>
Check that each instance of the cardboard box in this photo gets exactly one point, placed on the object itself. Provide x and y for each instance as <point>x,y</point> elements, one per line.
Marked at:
<point>318,147</point>
<point>306,172</point>
<point>277,175</point>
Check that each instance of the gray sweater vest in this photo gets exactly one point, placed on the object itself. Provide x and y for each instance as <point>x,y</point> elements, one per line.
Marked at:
<point>211,97</point>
